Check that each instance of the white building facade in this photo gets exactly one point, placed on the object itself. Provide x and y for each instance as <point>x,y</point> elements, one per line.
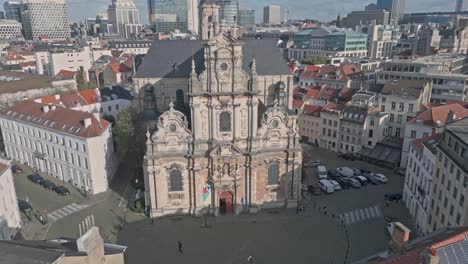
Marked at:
<point>125,18</point>
<point>10,219</point>
<point>73,146</point>
<point>46,18</point>
<point>10,29</point>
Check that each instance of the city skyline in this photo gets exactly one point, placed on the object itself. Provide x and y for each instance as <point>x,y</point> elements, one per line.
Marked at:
<point>328,10</point>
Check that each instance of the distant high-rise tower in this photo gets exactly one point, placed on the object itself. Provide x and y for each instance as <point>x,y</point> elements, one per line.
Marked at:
<point>13,10</point>
<point>461,6</point>
<point>46,19</point>
<point>272,14</point>
<point>396,8</point>
<point>125,18</point>
<point>246,17</point>
<point>169,15</point>
<point>229,11</point>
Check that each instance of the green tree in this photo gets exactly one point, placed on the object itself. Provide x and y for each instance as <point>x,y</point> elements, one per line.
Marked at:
<point>315,61</point>
<point>124,131</point>
<point>80,82</point>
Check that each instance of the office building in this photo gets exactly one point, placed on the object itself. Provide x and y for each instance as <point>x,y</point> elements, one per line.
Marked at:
<point>228,11</point>
<point>346,43</point>
<point>246,17</point>
<point>46,19</point>
<point>10,29</point>
<point>14,9</point>
<point>396,8</point>
<point>71,145</point>
<point>168,15</point>
<point>10,218</point>
<point>125,18</point>
<point>2,15</point>
<point>461,6</point>
<point>272,15</point>
<point>356,18</point>
<point>192,16</point>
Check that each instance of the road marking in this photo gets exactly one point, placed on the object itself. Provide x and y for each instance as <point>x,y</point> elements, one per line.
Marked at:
<point>65,211</point>
<point>361,214</point>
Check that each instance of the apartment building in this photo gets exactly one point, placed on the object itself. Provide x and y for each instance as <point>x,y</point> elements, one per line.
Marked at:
<point>445,71</point>
<point>338,77</point>
<point>402,100</point>
<point>10,29</point>
<point>46,19</point>
<point>51,62</point>
<point>10,218</point>
<point>431,121</point>
<point>71,145</point>
<point>450,182</point>
<point>352,129</point>
<point>374,128</point>
<point>309,124</point>
<point>330,119</point>
<point>417,193</point>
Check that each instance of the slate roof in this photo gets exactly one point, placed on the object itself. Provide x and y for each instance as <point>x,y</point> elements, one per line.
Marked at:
<point>173,58</point>
<point>404,88</point>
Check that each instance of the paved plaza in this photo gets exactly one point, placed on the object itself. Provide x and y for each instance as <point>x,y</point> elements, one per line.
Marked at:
<point>278,236</point>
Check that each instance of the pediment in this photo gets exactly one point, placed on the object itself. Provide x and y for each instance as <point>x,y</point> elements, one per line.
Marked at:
<point>226,150</point>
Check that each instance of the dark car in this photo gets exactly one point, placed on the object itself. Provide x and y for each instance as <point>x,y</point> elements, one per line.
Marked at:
<point>363,170</point>
<point>16,169</point>
<point>334,174</point>
<point>393,197</point>
<point>61,190</point>
<point>362,180</point>
<point>357,171</point>
<point>35,178</point>
<point>24,206</point>
<point>49,185</point>
<point>347,156</point>
<point>371,178</point>
<point>314,190</point>
<point>344,184</point>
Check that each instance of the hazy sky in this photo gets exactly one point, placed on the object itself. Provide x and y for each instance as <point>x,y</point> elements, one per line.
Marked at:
<point>324,10</point>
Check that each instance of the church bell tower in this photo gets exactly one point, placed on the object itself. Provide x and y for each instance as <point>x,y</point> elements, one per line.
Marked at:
<point>210,23</point>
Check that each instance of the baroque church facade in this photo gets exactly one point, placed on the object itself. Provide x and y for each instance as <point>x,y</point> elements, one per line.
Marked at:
<point>229,144</point>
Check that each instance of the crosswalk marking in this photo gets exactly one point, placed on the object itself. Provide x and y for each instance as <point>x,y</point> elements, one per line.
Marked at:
<point>65,211</point>
<point>361,214</point>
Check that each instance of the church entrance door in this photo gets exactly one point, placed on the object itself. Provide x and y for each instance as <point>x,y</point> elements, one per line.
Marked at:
<point>226,203</point>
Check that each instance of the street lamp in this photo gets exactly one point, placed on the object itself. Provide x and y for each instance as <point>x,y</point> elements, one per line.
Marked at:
<point>250,259</point>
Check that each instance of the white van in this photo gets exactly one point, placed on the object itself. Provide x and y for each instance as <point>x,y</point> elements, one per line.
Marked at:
<point>322,172</point>
<point>326,186</point>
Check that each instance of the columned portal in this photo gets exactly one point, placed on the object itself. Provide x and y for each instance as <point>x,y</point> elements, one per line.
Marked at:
<point>226,201</point>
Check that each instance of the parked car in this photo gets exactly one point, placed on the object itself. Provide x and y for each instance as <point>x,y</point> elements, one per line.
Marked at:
<point>35,178</point>
<point>362,180</point>
<point>371,178</point>
<point>322,172</point>
<point>357,171</point>
<point>381,177</point>
<point>364,170</point>
<point>344,184</point>
<point>61,190</point>
<point>314,190</point>
<point>24,206</point>
<point>326,186</point>
<point>16,169</point>
<point>336,185</point>
<point>345,171</point>
<point>49,185</point>
<point>393,197</point>
<point>312,164</point>
<point>347,156</point>
<point>333,174</point>
<point>353,182</point>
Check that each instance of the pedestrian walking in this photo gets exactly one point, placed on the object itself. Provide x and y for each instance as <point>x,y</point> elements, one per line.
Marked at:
<point>325,210</point>
<point>180,247</point>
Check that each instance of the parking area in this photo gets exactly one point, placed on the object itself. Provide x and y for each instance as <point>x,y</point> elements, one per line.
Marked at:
<point>44,201</point>
<point>364,209</point>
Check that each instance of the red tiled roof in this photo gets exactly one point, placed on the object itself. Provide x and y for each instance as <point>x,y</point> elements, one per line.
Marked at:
<point>66,74</point>
<point>119,67</point>
<point>49,99</point>
<point>312,93</point>
<point>309,109</point>
<point>72,100</point>
<point>327,94</point>
<point>462,103</point>
<point>419,143</point>
<point>437,116</point>
<point>310,71</point>
<point>89,96</point>
<point>61,119</point>
<point>346,72</point>
<point>27,53</point>
<point>333,106</point>
<point>297,104</point>
<point>13,57</point>
<point>27,64</point>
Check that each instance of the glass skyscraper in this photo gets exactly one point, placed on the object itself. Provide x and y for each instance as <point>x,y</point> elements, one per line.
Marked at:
<point>168,15</point>
<point>396,8</point>
<point>246,17</point>
<point>229,11</point>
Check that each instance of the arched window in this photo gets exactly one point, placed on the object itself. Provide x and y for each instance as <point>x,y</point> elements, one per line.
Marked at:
<point>273,173</point>
<point>225,122</point>
<point>149,98</point>
<point>175,181</point>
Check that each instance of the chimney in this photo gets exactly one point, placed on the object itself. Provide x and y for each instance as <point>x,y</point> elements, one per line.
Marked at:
<point>87,122</point>
<point>57,97</point>
<point>430,256</point>
<point>53,107</point>
<point>45,108</point>
<point>400,236</point>
<point>450,117</point>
